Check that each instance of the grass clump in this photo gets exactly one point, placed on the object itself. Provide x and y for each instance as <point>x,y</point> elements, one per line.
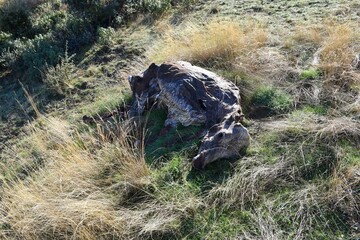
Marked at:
<point>340,128</point>
<point>309,74</point>
<point>216,43</point>
<point>271,100</point>
<point>308,35</point>
<point>75,193</point>
<point>155,6</point>
<point>108,100</point>
<point>331,51</point>
<point>318,109</point>
<point>338,52</point>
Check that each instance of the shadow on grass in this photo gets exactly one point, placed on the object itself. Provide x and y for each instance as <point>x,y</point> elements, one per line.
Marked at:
<point>215,173</point>
<point>162,142</point>
<point>183,141</point>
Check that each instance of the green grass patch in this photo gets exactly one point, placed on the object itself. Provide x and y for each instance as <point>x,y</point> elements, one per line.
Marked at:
<point>271,100</point>
<point>310,74</point>
<point>160,144</point>
<point>350,154</point>
<point>107,100</point>
<point>217,224</point>
<point>317,109</point>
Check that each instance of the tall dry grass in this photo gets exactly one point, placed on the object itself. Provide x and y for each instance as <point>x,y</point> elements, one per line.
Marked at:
<point>313,34</point>
<point>338,50</point>
<point>331,51</point>
<point>83,189</point>
<point>218,42</point>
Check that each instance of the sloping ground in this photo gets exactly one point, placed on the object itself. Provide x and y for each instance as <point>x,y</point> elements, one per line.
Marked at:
<point>300,178</point>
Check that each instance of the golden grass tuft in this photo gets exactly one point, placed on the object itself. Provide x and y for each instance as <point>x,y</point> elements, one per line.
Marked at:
<point>218,42</point>
<point>338,51</point>
<point>308,34</point>
<point>75,192</point>
<point>332,49</point>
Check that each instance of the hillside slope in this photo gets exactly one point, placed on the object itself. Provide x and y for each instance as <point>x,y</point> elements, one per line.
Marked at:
<point>297,66</point>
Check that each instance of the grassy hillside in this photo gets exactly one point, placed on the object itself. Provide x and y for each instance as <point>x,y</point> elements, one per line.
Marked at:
<point>297,66</point>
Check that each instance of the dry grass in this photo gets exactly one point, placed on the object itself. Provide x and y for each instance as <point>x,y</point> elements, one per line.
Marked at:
<point>306,92</point>
<point>249,182</point>
<point>299,210</point>
<point>218,42</point>
<point>304,209</point>
<point>266,226</point>
<point>354,107</point>
<point>339,128</point>
<point>343,194</point>
<point>331,49</point>
<point>81,191</point>
<point>267,63</point>
<point>308,35</point>
<point>336,45</point>
<point>338,50</point>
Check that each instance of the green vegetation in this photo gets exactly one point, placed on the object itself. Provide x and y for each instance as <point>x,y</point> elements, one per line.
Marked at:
<point>273,100</point>
<point>309,74</point>
<point>171,140</point>
<point>61,178</point>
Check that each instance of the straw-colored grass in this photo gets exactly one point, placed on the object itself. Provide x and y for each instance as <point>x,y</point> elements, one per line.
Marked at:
<point>343,195</point>
<point>218,42</point>
<point>340,128</point>
<point>312,34</point>
<point>78,190</point>
<point>337,52</point>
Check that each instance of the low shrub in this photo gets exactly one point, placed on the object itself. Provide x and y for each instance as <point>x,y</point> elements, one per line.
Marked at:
<point>31,56</point>
<point>14,18</point>
<point>51,16</point>
<point>105,35</point>
<point>59,78</point>
<point>155,6</point>
<point>99,12</point>
<point>36,55</point>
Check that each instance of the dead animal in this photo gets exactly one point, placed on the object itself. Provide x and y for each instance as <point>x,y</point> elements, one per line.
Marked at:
<point>194,96</point>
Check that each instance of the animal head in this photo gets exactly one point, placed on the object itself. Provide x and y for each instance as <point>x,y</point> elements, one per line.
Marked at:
<point>223,140</point>
<point>140,83</point>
